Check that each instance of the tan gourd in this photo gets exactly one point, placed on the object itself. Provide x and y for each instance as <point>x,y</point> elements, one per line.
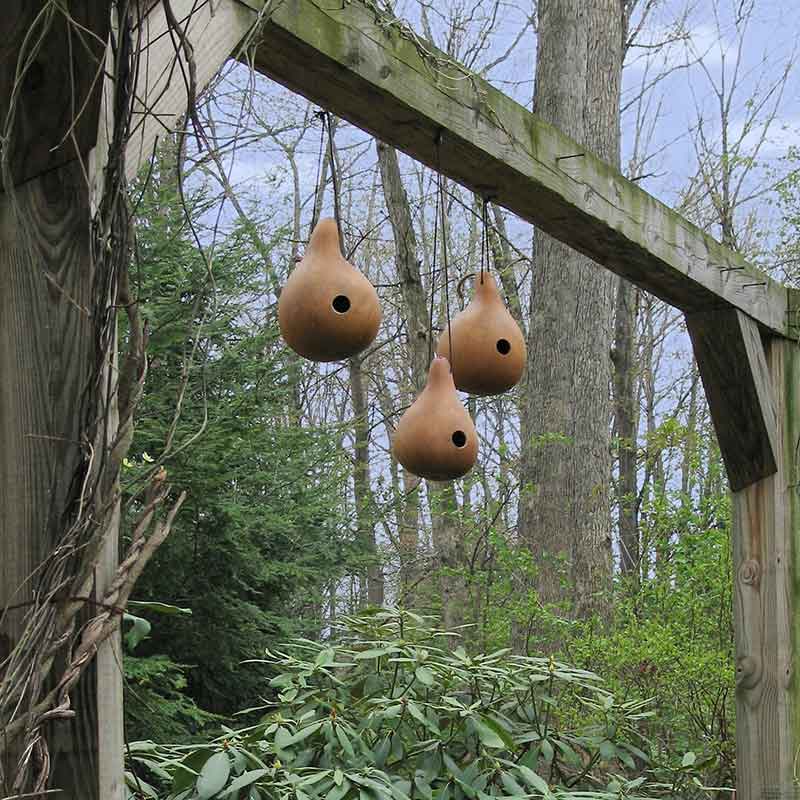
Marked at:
<point>435,438</point>
<point>328,310</point>
<point>488,353</point>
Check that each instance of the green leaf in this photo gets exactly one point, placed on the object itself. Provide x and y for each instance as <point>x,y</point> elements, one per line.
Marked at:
<point>500,731</point>
<point>338,776</point>
<point>159,608</point>
<point>452,767</point>
<point>338,791</point>
<point>533,780</point>
<point>245,779</point>
<point>420,717</point>
<point>303,733</point>
<point>424,676</point>
<point>688,759</point>
<point>187,770</point>
<point>512,787</point>
<point>344,741</point>
<point>283,738</point>
<point>139,631</point>
<point>213,776</point>
<point>607,750</point>
<point>381,752</point>
<point>570,756</point>
<point>423,787</point>
<point>488,737</point>
<point>374,652</point>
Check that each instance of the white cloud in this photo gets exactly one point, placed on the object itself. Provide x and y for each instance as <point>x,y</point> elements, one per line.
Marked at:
<point>782,134</point>
<point>667,48</point>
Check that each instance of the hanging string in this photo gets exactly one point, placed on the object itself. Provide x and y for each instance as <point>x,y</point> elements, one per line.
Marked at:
<point>484,237</point>
<point>433,267</point>
<point>337,215</point>
<point>445,265</point>
<point>317,193</point>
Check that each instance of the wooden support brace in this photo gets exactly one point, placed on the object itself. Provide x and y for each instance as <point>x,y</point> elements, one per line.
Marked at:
<point>213,30</point>
<point>730,357</point>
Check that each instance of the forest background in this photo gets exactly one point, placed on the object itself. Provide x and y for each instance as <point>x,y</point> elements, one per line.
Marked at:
<point>297,516</point>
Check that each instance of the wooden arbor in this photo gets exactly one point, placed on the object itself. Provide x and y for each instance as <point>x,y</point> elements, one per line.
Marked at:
<point>743,325</point>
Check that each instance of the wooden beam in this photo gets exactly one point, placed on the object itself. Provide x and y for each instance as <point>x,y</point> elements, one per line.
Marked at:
<point>386,80</point>
<point>214,30</point>
<point>766,547</point>
<point>732,364</point>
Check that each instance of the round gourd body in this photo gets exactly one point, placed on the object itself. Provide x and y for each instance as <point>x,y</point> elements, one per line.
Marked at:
<point>328,310</point>
<point>488,350</point>
<point>436,438</point>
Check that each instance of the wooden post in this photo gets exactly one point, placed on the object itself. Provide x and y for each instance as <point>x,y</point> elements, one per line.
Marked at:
<point>47,354</point>
<point>752,389</point>
<point>46,310</point>
<point>766,547</point>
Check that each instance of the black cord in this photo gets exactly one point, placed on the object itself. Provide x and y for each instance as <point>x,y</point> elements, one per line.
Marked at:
<point>445,266</point>
<point>314,216</point>
<point>433,266</point>
<point>335,181</point>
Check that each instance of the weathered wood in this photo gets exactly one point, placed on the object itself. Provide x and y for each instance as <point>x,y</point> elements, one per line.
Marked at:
<point>56,103</point>
<point>403,91</point>
<point>45,360</point>
<point>214,30</point>
<point>47,356</point>
<point>766,548</point>
<point>732,364</point>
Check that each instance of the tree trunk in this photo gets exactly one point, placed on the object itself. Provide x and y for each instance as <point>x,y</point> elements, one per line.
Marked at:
<point>361,484</point>
<point>625,418</point>
<point>565,465</point>
<point>416,324</point>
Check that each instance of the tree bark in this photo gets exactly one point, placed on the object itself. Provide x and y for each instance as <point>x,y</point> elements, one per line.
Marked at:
<point>361,483</point>
<point>565,464</point>
<point>417,332</point>
<point>625,425</point>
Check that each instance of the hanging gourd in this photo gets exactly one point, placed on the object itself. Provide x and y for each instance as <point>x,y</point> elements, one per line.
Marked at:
<point>435,438</point>
<point>328,310</point>
<point>484,343</point>
<point>487,349</point>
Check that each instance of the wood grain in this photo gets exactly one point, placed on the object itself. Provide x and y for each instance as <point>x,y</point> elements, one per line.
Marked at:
<point>340,56</point>
<point>732,364</point>
<point>766,546</point>
<point>45,361</point>
<point>53,92</point>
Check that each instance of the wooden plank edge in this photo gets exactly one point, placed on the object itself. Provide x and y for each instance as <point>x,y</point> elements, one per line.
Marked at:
<point>733,367</point>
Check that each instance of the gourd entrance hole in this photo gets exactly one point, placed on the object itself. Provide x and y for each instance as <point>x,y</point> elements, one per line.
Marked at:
<point>341,304</point>
<point>459,438</point>
<point>503,347</point>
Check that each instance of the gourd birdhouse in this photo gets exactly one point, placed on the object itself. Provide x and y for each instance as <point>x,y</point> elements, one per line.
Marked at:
<point>435,438</point>
<point>328,310</point>
<point>488,349</point>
